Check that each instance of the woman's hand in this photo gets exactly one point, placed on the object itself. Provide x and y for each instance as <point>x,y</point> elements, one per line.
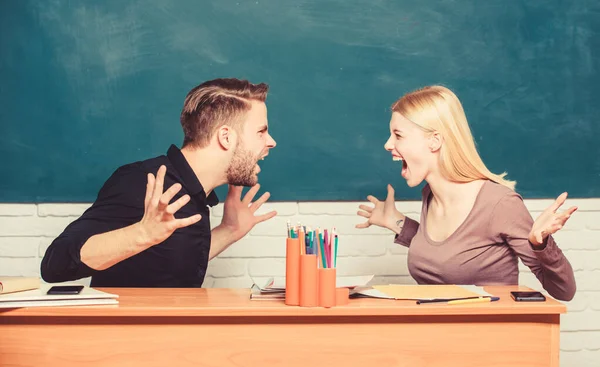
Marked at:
<point>383,214</point>
<point>549,222</point>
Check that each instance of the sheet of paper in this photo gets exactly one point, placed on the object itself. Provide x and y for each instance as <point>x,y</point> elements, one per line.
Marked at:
<point>477,289</point>
<point>421,292</point>
<point>41,296</point>
<point>60,302</point>
<point>368,292</point>
<point>18,284</point>
<point>263,283</point>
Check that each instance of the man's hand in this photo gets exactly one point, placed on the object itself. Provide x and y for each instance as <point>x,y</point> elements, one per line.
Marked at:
<point>104,250</point>
<point>159,221</point>
<point>238,214</point>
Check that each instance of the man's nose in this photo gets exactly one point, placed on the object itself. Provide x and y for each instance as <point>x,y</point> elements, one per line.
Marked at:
<point>271,143</point>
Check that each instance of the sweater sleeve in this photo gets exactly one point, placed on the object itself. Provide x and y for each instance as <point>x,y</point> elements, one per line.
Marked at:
<point>120,203</point>
<point>409,230</point>
<point>511,222</point>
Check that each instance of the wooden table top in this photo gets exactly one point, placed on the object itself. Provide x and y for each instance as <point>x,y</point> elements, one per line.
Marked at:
<point>225,302</point>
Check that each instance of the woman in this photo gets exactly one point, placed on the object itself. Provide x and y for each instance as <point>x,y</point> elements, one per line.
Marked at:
<point>473,225</point>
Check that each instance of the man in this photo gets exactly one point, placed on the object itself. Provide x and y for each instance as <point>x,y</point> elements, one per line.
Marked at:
<point>164,238</point>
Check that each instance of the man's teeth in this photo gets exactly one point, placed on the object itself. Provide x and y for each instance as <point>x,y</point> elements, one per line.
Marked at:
<point>397,158</point>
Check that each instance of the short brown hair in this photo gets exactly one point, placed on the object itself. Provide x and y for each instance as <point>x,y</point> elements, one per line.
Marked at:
<point>215,103</point>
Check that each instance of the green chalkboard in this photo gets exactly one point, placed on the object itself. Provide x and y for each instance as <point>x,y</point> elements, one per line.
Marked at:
<point>87,86</point>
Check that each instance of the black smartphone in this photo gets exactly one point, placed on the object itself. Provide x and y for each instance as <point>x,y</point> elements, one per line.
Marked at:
<point>527,296</point>
<point>65,289</point>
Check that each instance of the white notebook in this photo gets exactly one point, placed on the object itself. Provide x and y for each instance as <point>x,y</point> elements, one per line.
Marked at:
<point>39,298</point>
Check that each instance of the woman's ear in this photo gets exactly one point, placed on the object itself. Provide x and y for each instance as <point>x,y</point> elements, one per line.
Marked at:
<point>435,141</point>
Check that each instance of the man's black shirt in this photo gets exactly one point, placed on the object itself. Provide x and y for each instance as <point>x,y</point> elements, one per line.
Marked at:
<point>179,261</point>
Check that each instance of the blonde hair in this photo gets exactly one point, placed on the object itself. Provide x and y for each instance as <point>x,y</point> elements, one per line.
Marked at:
<point>436,108</point>
<point>215,103</point>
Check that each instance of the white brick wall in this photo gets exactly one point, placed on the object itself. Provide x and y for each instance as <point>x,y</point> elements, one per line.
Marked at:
<point>26,230</point>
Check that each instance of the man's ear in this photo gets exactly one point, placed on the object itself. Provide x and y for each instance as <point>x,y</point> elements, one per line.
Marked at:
<point>226,137</point>
<point>435,141</point>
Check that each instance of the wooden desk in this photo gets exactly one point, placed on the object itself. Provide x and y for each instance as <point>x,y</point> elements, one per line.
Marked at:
<point>222,327</point>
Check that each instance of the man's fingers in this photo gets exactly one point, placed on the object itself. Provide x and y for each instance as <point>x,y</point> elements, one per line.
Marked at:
<point>261,200</point>
<point>262,218</point>
<point>185,222</point>
<point>250,194</point>
<point>158,184</point>
<point>363,214</point>
<point>173,208</point>
<point>149,190</point>
<point>363,225</point>
<point>558,202</point>
<point>234,191</point>
<point>165,198</point>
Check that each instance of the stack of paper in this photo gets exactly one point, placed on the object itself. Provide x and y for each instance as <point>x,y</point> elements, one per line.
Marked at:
<point>39,298</point>
<point>266,293</point>
<point>18,284</point>
<point>421,292</point>
<point>274,288</point>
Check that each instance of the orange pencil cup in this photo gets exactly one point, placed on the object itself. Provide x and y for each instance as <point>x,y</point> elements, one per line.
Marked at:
<point>308,281</point>
<point>292,272</point>
<point>327,293</point>
<point>342,296</point>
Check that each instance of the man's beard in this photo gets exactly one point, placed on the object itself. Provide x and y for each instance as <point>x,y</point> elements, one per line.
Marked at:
<point>241,169</point>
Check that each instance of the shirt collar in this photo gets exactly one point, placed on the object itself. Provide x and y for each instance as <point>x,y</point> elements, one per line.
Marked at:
<point>189,178</point>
